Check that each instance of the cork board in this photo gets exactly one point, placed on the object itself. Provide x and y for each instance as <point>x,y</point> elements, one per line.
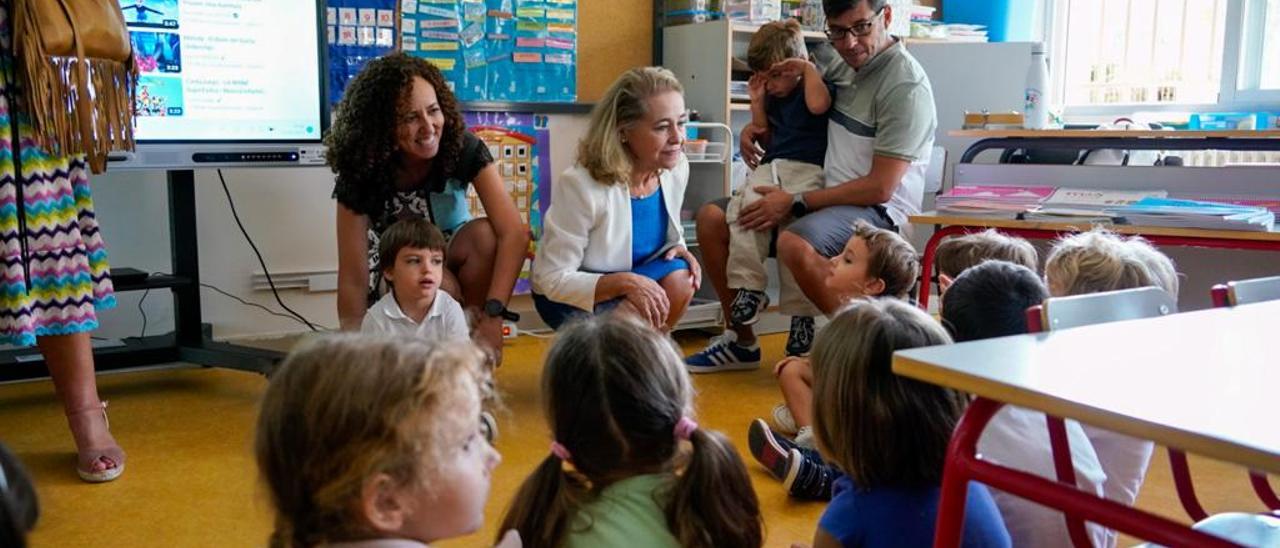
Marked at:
<point>614,35</point>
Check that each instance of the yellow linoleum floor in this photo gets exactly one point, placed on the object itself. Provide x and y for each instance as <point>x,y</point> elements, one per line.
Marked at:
<point>191,480</point>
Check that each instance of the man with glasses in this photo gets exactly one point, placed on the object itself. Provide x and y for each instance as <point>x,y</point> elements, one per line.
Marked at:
<point>879,140</point>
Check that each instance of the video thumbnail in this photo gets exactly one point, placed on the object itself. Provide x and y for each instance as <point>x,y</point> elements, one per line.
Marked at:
<point>156,51</point>
<point>159,96</point>
<point>161,14</point>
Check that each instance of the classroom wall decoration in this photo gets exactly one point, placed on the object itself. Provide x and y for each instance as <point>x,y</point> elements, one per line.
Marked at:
<point>358,31</point>
<point>497,50</point>
<point>520,144</point>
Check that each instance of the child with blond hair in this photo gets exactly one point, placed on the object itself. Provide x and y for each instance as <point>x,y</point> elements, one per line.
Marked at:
<point>628,465</point>
<point>1098,261</point>
<point>370,441</point>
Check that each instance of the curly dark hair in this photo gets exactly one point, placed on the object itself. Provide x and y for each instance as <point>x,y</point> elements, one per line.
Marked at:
<point>362,143</point>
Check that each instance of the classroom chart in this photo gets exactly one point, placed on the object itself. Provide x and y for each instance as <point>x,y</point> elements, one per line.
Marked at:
<point>497,50</point>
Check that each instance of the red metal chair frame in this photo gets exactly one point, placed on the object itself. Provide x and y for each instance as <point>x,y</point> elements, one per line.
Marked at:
<point>963,465</point>
<point>1223,297</point>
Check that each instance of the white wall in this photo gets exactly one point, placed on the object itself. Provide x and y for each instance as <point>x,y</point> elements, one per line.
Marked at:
<point>289,214</point>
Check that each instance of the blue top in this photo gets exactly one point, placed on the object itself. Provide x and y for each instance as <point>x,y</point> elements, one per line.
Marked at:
<point>797,134</point>
<point>892,517</point>
<point>649,222</point>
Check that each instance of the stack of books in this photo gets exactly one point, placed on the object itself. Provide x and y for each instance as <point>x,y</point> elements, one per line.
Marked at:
<point>1087,205</point>
<point>999,202</point>
<point>1197,214</point>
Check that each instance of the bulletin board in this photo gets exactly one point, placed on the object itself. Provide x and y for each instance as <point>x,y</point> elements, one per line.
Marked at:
<point>605,47</point>
<point>497,50</point>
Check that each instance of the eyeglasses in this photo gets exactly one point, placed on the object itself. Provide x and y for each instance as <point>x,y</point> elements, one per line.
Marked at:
<point>859,29</point>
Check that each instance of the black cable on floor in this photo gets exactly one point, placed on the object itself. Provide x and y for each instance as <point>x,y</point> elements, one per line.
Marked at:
<point>261,262</point>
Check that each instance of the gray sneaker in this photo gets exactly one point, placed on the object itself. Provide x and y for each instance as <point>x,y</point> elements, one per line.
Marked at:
<point>747,306</point>
<point>800,338</point>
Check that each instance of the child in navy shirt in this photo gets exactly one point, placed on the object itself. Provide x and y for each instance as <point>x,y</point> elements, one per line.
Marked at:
<point>790,99</point>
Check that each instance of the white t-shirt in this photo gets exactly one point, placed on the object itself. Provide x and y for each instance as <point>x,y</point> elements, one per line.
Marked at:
<point>444,321</point>
<point>1019,438</point>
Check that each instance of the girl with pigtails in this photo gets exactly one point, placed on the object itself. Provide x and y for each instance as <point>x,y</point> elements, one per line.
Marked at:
<point>628,465</point>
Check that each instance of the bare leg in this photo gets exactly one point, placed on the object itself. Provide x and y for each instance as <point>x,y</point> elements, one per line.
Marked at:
<point>810,270</point>
<point>470,259</point>
<point>713,240</point>
<point>796,382</point>
<point>679,288</point>
<point>70,361</point>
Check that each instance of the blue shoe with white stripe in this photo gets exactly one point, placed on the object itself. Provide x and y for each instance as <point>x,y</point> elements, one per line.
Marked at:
<point>723,353</point>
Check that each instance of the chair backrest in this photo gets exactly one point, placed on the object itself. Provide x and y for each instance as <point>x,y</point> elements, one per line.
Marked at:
<point>1255,290</point>
<point>937,166</point>
<point>1109,306</point>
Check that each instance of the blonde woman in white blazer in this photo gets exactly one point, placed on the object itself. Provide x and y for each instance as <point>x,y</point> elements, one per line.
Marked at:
<point>612,236</point>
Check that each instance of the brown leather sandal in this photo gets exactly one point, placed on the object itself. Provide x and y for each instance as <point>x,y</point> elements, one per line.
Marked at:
<point>86,456</point>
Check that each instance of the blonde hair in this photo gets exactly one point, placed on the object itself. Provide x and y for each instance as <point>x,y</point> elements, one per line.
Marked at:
<point>880,428</point>
<point>1098,260</point>
<point>602,151</point>
<point>343,408</point>
<point>774,42</point>
<point>955,255</point>
<point>613,392</point>
<point>890,258</point>
<point>1163,273</point>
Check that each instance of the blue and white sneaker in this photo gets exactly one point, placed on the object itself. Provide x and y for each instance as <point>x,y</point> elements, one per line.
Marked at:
<point>723,353</point>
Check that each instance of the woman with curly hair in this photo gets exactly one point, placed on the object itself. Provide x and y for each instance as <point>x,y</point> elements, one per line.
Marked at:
<point>612,236</point>
<point>400,149</point>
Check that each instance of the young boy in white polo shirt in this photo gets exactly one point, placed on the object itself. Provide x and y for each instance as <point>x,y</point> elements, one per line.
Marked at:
<point>411,260</point>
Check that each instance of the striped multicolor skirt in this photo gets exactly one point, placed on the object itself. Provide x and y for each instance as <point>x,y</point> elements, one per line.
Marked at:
<point>55,276</point>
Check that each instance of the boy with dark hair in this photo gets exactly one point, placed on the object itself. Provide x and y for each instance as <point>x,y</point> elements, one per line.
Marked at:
<point>990,300</point>
<point>411,259</point>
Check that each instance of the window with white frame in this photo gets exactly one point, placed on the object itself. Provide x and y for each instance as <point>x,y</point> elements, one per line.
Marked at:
<point>1271,47</point>
<point>1116,54</point>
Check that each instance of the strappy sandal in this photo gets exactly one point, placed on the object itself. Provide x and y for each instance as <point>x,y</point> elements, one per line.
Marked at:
<point>87,456</point>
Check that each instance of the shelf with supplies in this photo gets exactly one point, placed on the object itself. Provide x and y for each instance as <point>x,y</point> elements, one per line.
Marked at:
<point>709,151</point>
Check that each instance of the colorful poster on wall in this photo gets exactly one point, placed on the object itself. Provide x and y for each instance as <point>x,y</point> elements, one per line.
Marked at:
<point>358,31</point>
<point>497,50</point>
<point>488,50</point>
<point>520,144</point>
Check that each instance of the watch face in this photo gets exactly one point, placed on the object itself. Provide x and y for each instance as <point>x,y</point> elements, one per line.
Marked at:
<point>493,307</point>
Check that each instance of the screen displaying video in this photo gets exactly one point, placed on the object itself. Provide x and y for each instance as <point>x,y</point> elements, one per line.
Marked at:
<point>226,70</point>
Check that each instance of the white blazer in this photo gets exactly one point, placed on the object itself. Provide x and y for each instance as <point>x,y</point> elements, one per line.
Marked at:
<point>586,233</point>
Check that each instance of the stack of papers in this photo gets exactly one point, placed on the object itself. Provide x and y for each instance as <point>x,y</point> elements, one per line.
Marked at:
<point>957,32</point>
<point>1000,202</point>
<point>1197,214</point>
<point>1087,205</point>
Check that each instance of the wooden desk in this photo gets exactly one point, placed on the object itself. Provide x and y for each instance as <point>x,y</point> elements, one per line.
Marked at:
<point>1204,382</point>
<point>950,225</point>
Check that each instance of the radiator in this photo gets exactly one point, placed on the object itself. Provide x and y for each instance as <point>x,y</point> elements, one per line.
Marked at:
<point>1209,158</point>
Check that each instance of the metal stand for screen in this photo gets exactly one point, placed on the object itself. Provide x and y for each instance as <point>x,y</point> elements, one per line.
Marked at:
<point>191,341</point>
